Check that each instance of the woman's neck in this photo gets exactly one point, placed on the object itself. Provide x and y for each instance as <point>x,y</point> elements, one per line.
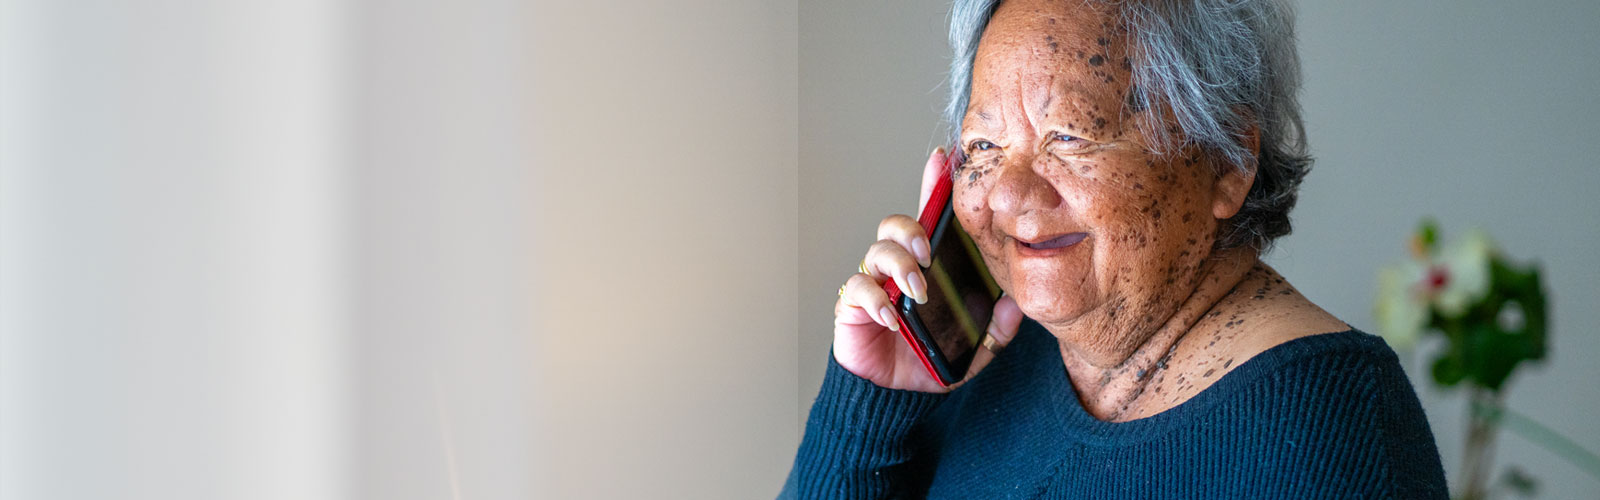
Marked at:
<point>1110,380</point>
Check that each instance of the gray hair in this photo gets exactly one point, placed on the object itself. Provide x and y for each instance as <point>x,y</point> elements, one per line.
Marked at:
<point>1221,67</point>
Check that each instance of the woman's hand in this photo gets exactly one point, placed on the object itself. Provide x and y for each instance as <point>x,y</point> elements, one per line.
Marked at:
<point>866,339</point>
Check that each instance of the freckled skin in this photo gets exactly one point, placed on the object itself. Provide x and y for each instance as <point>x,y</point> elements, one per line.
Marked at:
<point>1053,148</point>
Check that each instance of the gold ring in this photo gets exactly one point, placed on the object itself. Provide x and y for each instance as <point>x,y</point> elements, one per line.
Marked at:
<point>863,267</point>
<point>841,289</point>
<point>991,344</point>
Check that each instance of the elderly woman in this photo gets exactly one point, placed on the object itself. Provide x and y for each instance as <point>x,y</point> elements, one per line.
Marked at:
<point>1126,163</point>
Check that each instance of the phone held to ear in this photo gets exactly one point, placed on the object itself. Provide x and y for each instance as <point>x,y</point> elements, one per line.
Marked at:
<point>947,331</point>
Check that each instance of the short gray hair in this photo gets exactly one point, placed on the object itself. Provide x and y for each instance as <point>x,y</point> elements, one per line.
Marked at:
<point>1221,66</point>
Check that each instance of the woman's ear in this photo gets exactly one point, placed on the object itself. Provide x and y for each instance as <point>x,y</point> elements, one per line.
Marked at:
<point>1233,183</point>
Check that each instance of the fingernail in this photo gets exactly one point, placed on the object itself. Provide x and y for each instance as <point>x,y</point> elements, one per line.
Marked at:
<point>939,151</point>
<point>888,317</point>
<point>919,289</point>
<point>924,255</point>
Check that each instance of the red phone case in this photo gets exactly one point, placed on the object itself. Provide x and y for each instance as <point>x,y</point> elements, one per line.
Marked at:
<point>929,217</point>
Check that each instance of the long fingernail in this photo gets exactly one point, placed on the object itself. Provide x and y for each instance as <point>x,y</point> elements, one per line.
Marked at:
<point>924,255</point>
<point>888,317</point>
<point>919,289</point>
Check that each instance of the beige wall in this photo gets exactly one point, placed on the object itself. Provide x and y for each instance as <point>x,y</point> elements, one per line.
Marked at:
<point>665,213</point>
<point>358,249</point>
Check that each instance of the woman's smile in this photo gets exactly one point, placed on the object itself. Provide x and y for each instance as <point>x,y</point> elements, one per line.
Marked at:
<point>1048,246</point>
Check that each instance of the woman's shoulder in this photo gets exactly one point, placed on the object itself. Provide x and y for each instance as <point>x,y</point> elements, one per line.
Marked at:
<point>1306,355</point>
<point>1339,400</point>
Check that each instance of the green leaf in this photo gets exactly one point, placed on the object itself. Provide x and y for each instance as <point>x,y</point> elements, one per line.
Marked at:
<point>1428,234</point>
<point>1447,371</point>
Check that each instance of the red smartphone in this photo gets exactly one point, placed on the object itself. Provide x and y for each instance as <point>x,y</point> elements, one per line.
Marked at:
<point>946,331</point>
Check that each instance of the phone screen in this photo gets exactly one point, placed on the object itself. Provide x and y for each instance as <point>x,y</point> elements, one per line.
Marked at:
<point>961,297</point>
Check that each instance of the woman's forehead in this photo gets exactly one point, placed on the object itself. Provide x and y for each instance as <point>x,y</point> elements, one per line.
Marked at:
<point>1080,20</point>
<point>1035,58</point>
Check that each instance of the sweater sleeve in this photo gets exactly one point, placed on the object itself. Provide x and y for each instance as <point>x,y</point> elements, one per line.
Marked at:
<point>855,438</point>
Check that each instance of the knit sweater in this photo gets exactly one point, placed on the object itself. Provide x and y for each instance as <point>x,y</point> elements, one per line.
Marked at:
<point>1324,416</point>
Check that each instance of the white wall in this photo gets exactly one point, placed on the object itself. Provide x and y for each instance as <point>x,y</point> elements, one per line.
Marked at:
<point>442,250</point>
<point>482,249</point>
<point>1479,113</point>
<point>172,298</point>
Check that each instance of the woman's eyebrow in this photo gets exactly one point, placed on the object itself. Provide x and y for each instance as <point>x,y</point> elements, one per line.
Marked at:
<point>987,119</point>
<point>986,123</point>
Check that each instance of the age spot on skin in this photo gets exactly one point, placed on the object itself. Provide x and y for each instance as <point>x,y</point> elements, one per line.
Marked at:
<point>1097,60</point>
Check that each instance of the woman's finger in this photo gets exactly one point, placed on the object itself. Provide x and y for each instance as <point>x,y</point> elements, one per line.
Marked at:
<point>888,259</point>
<point>1003,328</point>
<point>866,293</point>
<point>908,233</point>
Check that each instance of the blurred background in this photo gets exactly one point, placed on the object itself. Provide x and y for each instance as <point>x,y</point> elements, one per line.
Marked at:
<point>507,249</point>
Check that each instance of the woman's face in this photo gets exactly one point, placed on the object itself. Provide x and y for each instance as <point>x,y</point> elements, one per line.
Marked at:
<point>1079,221</point>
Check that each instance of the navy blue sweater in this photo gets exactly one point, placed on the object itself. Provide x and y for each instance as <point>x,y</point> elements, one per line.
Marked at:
<point>1325,416</point>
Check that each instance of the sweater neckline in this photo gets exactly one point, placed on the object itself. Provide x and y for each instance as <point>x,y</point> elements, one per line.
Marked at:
<point>1076,421</point>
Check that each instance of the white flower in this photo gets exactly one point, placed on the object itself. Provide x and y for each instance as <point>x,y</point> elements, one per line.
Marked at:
<point>1401,311</point>
<point>1450,280</point>
<point>1464,265</point>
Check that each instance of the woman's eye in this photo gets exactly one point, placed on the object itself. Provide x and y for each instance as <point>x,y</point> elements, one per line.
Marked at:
<point>1067,144</point>
<point>982,145</point>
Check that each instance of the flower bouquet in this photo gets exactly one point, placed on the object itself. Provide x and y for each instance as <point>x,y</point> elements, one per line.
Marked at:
<point>1492,314</point>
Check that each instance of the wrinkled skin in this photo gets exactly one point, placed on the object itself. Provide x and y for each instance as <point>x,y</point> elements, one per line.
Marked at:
<point>1055,151</point>
<point>1051,152</point>
<point>1101,239</point>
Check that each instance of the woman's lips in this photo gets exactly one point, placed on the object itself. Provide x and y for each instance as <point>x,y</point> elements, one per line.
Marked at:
<point>1056,242</point>
<point>1051,245</point>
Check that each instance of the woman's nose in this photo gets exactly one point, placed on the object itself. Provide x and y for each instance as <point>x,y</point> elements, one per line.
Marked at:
<point>1020,189</point>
